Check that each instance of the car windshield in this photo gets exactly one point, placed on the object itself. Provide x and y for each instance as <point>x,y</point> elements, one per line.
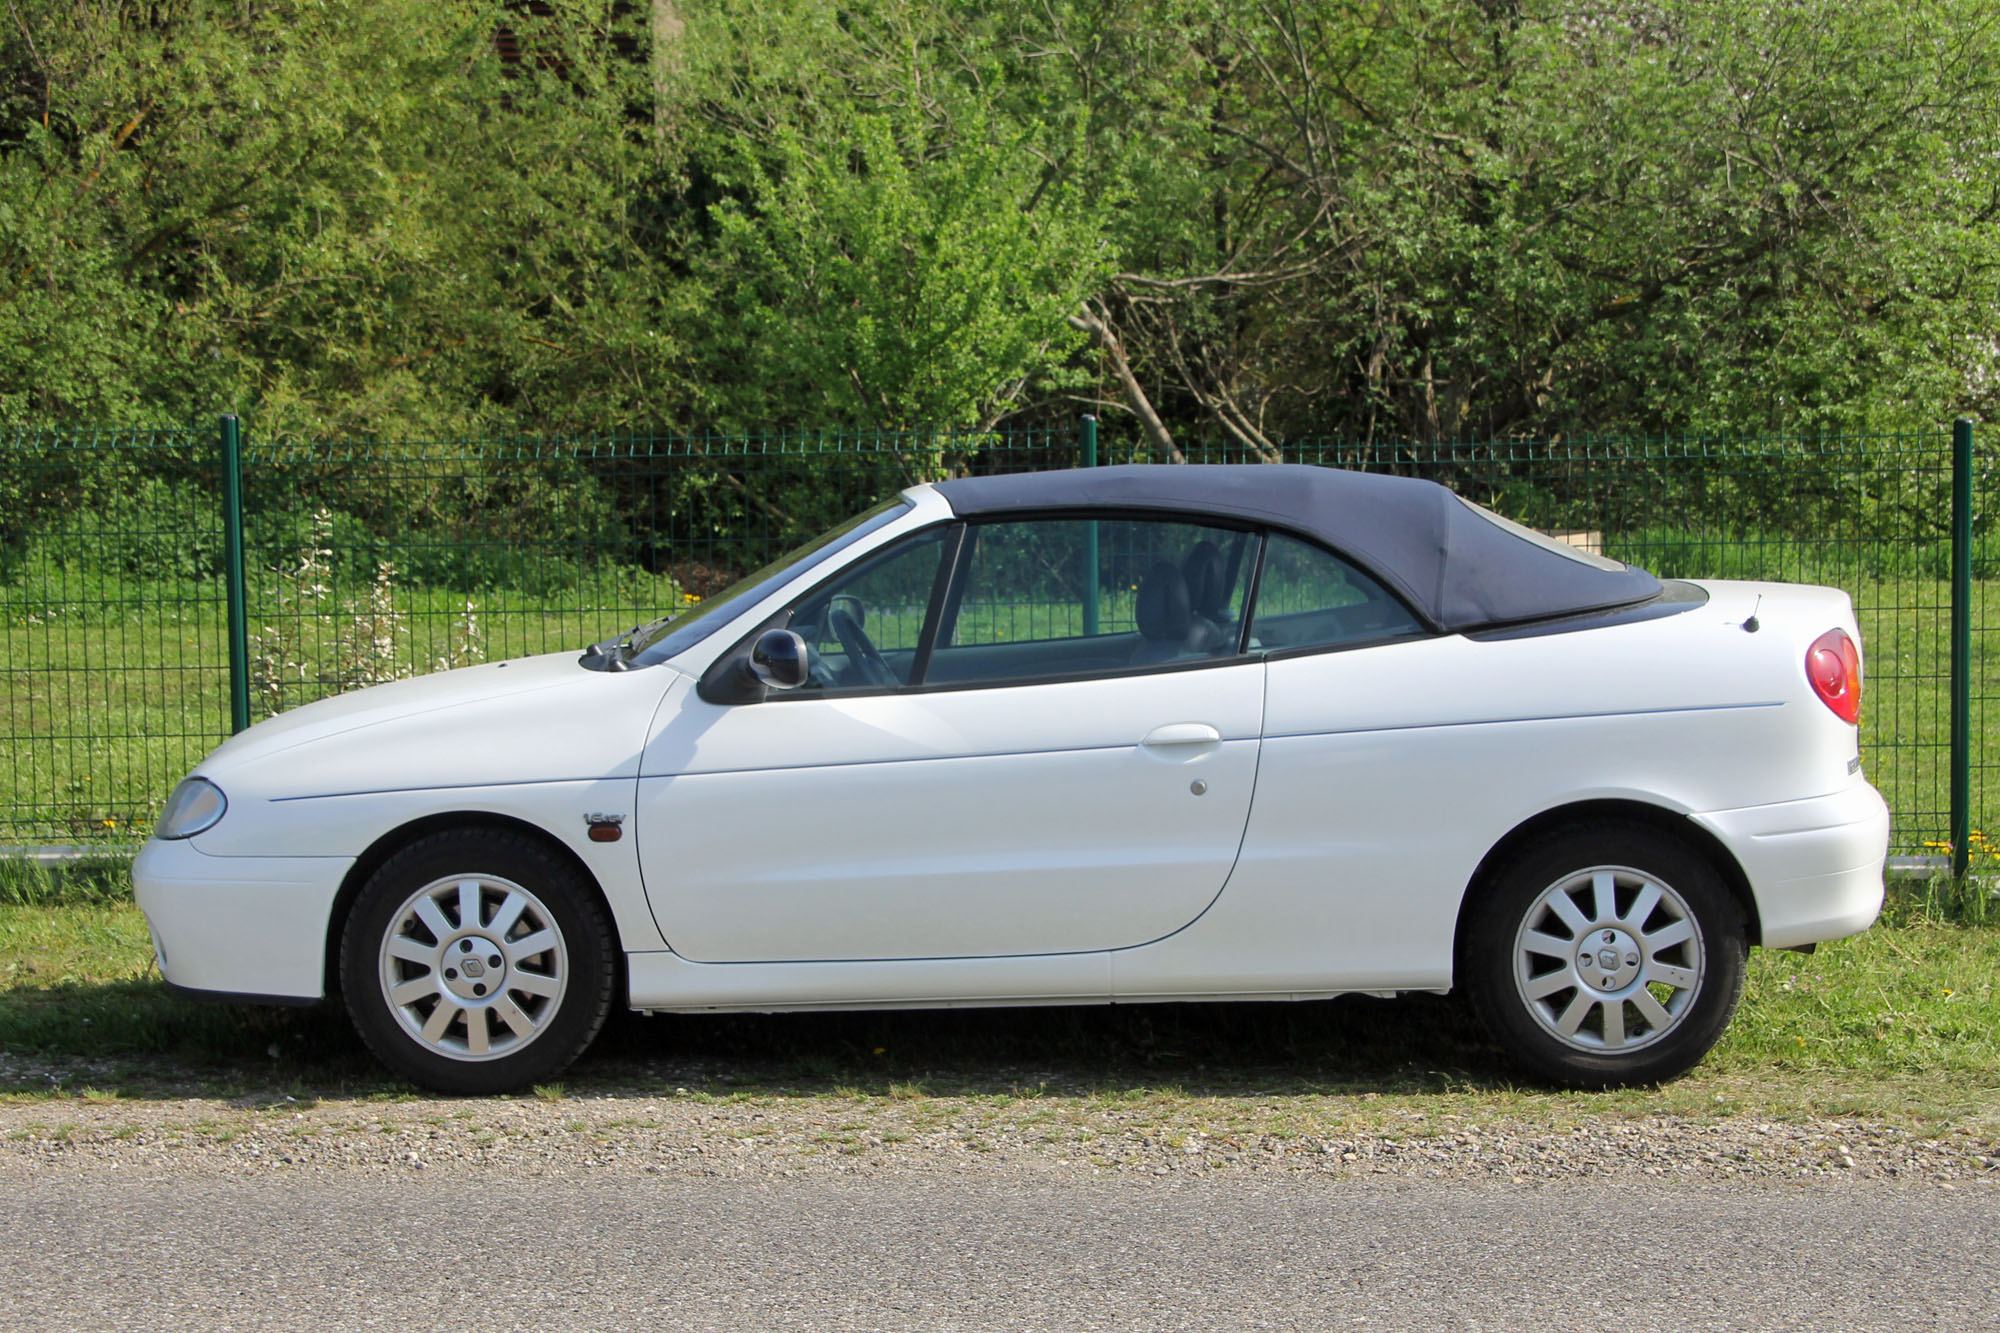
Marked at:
<point>665,638</point>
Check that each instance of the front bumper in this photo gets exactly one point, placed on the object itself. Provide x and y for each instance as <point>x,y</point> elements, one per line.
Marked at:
<point>1814,866</point>
<point>246,926</point>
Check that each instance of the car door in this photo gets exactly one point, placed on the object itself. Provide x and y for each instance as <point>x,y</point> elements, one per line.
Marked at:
<point>1361,795</point>
<point>1019,738</point>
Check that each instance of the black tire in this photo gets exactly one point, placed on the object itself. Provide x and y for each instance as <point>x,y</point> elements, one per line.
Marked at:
<point>525,986</point>
<point>1592,999</point>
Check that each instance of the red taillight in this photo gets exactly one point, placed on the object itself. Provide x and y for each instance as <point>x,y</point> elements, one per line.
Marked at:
<point>1833,665</point>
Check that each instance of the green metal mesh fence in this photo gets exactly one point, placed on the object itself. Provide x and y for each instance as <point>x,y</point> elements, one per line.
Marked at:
<point>371,561</point>
<point>116,673</point>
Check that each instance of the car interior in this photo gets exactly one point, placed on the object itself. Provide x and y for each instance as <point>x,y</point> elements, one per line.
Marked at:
<point>1020,609</point>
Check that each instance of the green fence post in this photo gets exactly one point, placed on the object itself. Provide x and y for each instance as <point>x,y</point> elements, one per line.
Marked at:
<point>1961,644</point>
<point>232,570</point>
<point>1090,570</point>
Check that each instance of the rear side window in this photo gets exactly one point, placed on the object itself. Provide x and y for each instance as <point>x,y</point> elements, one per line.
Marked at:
<point>1310,598</point>
<point>1554,545</point>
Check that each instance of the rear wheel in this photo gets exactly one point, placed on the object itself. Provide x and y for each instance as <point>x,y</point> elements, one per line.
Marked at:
<point>1608,956</point>
<point>477,961</point>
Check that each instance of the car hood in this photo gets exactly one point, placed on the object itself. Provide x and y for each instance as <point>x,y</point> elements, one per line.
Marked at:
<point>534,719</point>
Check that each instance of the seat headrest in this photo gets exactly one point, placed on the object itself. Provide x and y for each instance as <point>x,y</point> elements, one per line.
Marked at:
<point>1162,610</point>
<point>1207,591</point>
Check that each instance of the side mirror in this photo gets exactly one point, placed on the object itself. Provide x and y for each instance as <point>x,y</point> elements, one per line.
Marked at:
<point>779,660</point>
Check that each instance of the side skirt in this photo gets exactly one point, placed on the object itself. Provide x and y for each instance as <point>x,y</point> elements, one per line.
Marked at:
<point>667,983</point>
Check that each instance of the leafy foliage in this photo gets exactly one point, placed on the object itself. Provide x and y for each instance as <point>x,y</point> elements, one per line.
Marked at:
<point>1443,219</point>
<point>1377,219</point>
<point>881,284</point>
<point>351,218</point>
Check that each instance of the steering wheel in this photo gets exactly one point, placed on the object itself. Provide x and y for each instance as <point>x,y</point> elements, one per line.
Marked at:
<point>861,650</point>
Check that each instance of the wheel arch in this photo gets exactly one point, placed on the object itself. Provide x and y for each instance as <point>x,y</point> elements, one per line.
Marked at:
<point>396,839</point>
<point>1583,814</point>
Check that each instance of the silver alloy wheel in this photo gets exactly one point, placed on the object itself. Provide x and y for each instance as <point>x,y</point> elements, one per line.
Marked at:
<point>473,967</point>
<point>1609,959</point>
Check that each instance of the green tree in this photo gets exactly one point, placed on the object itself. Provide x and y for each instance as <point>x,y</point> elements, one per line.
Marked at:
<point>1437,218</point>
<point>348,219</point>
<point>1245,218</point>
<point>892,248</point>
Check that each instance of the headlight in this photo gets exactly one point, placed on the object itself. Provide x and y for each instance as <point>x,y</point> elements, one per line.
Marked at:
<point>194,808</point>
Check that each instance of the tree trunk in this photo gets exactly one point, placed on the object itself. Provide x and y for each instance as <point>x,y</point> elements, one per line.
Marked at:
<point>667,28</point>
<point>1135,395</point>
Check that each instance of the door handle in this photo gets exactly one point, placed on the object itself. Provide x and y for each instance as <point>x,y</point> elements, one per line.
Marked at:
<point>1182,733</point>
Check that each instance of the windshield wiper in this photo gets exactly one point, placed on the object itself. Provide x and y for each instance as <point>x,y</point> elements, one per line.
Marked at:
<point>615,653</point>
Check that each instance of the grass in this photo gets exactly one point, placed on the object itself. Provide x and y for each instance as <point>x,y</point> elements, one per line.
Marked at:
<point>1901,1023</point>
<point>98,881</point>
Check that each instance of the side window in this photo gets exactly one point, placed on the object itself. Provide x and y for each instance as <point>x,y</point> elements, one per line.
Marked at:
<point>862,629</point>
<point>1310,598</point>
<point>1066,597</point>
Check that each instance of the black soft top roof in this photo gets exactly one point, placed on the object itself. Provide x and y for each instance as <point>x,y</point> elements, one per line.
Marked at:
<point>1456,566</point>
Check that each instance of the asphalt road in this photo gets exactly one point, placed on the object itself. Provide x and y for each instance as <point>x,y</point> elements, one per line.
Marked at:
<point>491,1249</point>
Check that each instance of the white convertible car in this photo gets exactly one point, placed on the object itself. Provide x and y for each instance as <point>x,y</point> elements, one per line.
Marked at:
<point>1122,735</point>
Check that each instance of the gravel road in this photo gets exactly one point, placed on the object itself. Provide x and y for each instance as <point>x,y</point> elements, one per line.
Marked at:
<point>632,1210</point>
<point>830,1132</point>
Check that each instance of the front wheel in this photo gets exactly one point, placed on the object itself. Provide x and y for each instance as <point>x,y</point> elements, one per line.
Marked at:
<point>1607,957</point>
<point>477,961</point>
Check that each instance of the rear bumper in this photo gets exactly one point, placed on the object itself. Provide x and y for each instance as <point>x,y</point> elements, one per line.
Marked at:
<point>1814,866</point>
<point>243,926</point>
